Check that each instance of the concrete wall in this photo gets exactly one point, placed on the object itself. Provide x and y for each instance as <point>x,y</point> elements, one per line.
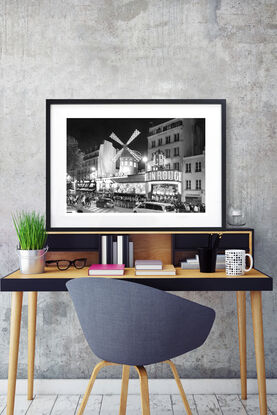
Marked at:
<point>139,49</point>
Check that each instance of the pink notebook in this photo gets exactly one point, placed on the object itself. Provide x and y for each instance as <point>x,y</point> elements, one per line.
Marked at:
<point>106,269</point>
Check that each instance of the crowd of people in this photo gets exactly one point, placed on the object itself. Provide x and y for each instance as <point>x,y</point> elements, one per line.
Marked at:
<point>86,199</point>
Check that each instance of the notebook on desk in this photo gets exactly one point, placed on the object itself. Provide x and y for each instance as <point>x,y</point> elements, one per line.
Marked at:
<point>106,269</point>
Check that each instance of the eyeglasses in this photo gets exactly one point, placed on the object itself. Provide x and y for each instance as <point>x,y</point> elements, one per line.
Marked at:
<point>64,264</point>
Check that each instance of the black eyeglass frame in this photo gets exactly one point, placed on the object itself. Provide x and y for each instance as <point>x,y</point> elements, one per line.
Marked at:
<point>70,262</point>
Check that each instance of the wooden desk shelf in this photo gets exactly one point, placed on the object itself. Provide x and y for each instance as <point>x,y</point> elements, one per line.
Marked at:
<point>168,246</point>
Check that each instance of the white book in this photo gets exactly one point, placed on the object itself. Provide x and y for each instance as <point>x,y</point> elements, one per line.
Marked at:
<point>110,272</point>
<point>148,264</point>
<point>106,269</point>
<point>220,266</point>
<point>187,265</point>
<point>120,249</point>
<point>167,270</point>
<point>192,260</point>
<point>114,252</point>
<point>104,249</point>
<point>131,254</point>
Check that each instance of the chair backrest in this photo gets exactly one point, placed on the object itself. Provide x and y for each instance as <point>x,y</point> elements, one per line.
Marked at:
<point>132,324</point>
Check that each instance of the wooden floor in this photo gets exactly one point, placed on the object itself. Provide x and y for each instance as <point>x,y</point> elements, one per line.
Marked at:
<point>160,404</point>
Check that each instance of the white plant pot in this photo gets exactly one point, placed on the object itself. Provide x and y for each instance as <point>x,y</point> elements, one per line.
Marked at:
<point>33,261</point>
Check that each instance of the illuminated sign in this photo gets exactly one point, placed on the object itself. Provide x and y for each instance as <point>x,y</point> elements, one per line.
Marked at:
<point>163,175</point>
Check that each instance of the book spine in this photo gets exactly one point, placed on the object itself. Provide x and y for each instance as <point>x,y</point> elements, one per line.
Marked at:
<point>109,249</point>
<point>114,252</point>
<point>100,249</point>
<point>119,249</point>
<point>104,249</point>
<point>131,255</point>
<point>126,250</point>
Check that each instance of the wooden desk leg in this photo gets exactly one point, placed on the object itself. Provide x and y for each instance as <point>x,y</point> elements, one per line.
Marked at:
<point>241,307</point>
<point>16,309</point>
<point>32,316</point>
<point>257,317</point>
<point>124,389</point>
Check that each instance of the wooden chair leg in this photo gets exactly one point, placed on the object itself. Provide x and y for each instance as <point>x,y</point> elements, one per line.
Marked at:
<point>144,392</point>
<point>124,389</point>
<point>32,316</point>
<point>95,372</point>
<point>180,386</point>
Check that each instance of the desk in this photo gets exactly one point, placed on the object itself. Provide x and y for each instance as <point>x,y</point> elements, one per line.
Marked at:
<point>185,280</point>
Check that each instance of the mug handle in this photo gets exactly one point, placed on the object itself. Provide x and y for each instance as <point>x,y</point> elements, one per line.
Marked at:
<point>251,262</point>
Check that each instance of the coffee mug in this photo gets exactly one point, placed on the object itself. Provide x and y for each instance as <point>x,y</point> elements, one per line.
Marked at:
<point>235,262</point>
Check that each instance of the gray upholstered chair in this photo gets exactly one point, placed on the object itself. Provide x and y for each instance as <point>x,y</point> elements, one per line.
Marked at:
<point>134,325</point>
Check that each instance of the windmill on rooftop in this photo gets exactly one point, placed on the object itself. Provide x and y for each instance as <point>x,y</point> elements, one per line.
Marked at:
<point>128,158</point>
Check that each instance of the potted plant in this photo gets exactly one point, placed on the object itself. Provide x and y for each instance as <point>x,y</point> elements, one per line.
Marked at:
<point>31,232</point>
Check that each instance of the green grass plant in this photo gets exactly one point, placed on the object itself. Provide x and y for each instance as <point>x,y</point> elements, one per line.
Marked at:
<point>30,229</point>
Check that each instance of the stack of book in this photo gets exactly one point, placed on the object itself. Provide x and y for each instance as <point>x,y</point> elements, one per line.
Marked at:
<point>193,263</point>
<point>153,267</point>
<point>116,250</point>
<point>106,269</point>
<point>220,261</point>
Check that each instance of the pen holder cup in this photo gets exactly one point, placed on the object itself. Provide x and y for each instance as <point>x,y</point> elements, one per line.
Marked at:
<point>207,259</point>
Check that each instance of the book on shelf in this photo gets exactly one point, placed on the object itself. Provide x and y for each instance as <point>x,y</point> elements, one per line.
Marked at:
<point>120,249</point>
<point>187,265</point>
<point>106,249</point>
<point>103,250</point>
<point>193,260</point>
<point>109,249</point>
<point>166,270</point>
<point>220,258</point>
<point>106,269</point>
<point>148,264</point>
<point>220,265</point>
<point>126,250</point>
<point>195,264</point>
<point>114,252</point>
<point>131,254</point>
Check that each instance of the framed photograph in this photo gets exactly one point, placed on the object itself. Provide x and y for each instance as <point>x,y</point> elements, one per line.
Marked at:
<point>135,165</point>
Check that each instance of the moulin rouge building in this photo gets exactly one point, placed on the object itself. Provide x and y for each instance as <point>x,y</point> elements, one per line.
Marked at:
<point>174,168</point>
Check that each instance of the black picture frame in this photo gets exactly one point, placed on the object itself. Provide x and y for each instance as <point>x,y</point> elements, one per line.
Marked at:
<point>51,102</point>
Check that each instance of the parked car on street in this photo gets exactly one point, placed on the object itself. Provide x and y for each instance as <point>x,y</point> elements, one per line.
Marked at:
<point>155,207</point>
<point>105,203</point>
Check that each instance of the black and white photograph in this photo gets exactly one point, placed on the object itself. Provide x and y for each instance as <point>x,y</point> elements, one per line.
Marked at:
<point>117,163</point>
<point>135,165</point>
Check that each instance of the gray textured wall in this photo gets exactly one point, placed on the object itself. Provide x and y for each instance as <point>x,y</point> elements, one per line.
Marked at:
<point>139,49</point>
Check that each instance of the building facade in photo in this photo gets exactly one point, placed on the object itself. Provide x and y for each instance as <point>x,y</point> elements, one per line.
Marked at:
<point>106,161</point>
<point>89,165</point>
<point>175,139</point>
<point>169,144</point>
<point>194,179</point>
